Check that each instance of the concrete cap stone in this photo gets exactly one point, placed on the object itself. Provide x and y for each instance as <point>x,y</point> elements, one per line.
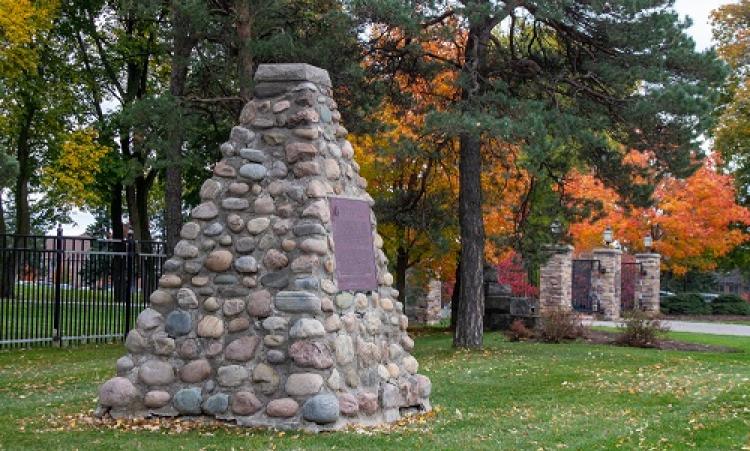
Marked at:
<point>607,250</point>
<point>292,72</point>
<point>558,248</point>
<point>648,255</point>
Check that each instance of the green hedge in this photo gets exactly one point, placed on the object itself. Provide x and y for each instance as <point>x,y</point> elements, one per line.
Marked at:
<point>729,304</point>
<point>685,304</point>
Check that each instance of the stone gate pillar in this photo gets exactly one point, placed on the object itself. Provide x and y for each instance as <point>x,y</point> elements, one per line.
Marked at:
<point>647,291</point>
<point>556,279</point>
<point>425,308</point>
<point>606,283</point>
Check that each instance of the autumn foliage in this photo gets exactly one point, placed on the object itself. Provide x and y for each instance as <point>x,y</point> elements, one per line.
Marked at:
<point>512,274</point>
<point>697,219</point>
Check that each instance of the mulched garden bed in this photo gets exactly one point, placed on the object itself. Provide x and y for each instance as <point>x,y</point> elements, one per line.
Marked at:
<point>610,338</point>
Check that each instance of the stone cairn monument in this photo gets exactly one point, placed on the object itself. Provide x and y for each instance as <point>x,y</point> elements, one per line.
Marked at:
<point>277,308</point>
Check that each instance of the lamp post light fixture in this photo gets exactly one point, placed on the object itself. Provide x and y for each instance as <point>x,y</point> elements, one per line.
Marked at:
<point>648,242</point>
<point>607,235</point>
<point>556,229</point>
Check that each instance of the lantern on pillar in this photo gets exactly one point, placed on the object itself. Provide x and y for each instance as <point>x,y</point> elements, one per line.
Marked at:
<point>607,235</point>
<point>556,229</point>
<point>648,242</point>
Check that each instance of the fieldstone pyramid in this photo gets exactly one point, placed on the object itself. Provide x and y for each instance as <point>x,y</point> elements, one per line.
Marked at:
<point>277,307</point>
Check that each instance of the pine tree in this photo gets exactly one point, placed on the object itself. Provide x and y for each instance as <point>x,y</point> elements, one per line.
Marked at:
<point>571,81</point>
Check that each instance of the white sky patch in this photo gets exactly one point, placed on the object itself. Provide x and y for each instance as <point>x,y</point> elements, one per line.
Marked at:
<point>700,12</point>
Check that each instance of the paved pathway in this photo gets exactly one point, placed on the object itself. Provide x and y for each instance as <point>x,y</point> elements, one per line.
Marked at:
<point>688,326</point>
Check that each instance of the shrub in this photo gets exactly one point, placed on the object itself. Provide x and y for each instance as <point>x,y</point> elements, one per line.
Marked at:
<point>729,304</point>
<point>728,299</point>
<point>558,325</point>
<point>685,304</point>
<point>518,331</point>
<point>640,329</point>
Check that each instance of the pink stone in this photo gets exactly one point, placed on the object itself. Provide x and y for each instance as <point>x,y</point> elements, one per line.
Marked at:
<point>284,407</point>
<point>259,304</point>
<point>306,168</point>
<point>195,371</point>
<point>368,402</point>
<point>117,392</point>
<point>275,259</point>
<point>210,326</point>
<point>242,349</point>
<point>188,349</point>
<point>238,325</point>
<point>311,354</point>
<point>305,263</point>
<point>220,260</point>
<point>295,151</point>
<point>224,170</point>
<point>245,403</point>
<point>348,404</point>
<point>156,398</point>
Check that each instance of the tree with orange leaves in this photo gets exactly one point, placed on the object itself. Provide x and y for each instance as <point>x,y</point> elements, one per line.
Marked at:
<point>411,176</point>
<point>697,219</point>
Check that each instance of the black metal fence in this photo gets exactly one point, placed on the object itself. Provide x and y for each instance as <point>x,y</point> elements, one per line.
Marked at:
<point>61,289</point>
<point>630,279</point>
<point>582,293</point>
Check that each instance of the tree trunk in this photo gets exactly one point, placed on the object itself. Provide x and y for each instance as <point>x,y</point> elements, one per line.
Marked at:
<point>455,299</point>
<point>115,212</point>
<point>6,261</point>
<point>17,262</point>
<point>117,266</point>
<point>182,47</point>
<point>142,190</point>
<point>244,26</point>
<point>402,264</point>
<point>134,219</point>
<point>469,320</point>
<point>3,229</point>
<point>25,170</point>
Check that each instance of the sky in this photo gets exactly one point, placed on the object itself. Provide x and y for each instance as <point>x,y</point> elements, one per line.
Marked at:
<point>698,10</point>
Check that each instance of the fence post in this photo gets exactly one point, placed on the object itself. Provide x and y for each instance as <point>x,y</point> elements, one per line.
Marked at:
<point>59,250</point>
<point>129,264</point>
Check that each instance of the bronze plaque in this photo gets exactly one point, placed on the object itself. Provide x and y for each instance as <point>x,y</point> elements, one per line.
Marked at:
<point>352,239</point>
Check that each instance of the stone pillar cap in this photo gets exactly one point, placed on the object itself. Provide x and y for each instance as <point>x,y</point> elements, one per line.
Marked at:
<point>606,250</point>
<point>648,255</point>
<point>558,247</point>
<point>292,72</point>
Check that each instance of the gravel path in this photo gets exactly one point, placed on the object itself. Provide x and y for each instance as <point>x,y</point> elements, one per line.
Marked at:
<point>685,326</point>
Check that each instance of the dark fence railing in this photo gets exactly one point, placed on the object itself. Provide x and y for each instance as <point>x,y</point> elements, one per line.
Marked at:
<point>61,289</point>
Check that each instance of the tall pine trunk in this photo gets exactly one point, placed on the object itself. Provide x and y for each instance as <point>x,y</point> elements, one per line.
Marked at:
<point>244,27</point>
<point>469,319</point>
<point>182,46</point>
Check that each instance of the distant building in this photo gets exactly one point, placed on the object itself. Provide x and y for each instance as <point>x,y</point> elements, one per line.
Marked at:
<point>73,259</point>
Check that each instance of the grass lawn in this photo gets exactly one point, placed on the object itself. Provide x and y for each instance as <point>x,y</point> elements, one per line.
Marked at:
<point>509,396</point>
